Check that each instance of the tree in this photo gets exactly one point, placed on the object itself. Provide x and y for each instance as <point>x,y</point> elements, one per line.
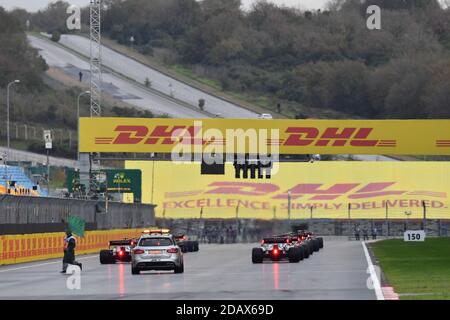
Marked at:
<point>53,18</point>
<point>56,36</point>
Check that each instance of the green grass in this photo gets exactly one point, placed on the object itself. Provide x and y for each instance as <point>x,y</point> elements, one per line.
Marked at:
<point>419,271</point>
<point>191,75</point>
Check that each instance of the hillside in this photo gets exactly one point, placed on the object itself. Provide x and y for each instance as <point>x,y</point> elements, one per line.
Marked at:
<point>322,60</point>
<point>312,64</point>
<point>41,101</point>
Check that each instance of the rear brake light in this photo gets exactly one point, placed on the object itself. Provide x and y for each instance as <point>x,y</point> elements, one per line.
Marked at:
<point>121,253</point>
<point>172,250</point>
<point>138,251</point>
<point>275,250</point>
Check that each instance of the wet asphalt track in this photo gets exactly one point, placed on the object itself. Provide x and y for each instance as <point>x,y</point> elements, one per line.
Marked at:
<point>215,272</point>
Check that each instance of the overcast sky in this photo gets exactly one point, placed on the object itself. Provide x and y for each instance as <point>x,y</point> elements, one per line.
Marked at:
<point>34,5</point>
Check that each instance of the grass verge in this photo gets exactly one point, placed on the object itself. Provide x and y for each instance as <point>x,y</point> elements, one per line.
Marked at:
<point>417,271</point>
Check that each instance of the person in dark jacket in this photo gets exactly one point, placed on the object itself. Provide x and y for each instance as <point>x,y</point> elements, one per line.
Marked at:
<point>365,234</point>
<point>374,233</point>
<point>357,233</point>
<point>70,244</point>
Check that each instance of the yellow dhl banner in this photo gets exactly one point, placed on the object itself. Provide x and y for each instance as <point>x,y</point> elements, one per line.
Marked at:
<point>430,137</point>
<point>320,189</point>
<point>43,246</point>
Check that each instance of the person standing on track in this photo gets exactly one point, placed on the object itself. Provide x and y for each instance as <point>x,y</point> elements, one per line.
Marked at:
<point>70,244</point>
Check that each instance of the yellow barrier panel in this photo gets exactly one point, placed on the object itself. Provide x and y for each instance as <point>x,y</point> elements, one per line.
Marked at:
<point>321,189</point>
<point>43,246</point>
<point>287,136</point>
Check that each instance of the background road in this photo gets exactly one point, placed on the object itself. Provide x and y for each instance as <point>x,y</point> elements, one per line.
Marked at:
<point>126,83</point>
<point>160,82</point>
<point>113,85</point>
<point>215,272</point>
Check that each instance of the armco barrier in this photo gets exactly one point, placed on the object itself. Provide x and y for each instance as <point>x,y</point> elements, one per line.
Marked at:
<point>43,246</point>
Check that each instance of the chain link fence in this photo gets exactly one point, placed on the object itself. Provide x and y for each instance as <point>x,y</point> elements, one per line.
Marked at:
<point>27,132</point>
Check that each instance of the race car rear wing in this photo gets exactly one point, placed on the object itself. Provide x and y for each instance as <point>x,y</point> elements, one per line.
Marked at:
<point>271,240</point>
<point>124,242</point>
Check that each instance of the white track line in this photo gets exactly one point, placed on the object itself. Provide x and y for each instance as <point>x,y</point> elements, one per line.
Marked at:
<point>373,274</point>
<point>43,264</point>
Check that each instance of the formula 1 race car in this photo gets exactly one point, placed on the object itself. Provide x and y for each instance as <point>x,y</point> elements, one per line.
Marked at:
<point>307,238</point>
<point>315,243</point>
<point>277,248</point>
<point>185,244</point>
<point>294,246</point>
<point>119,250</point>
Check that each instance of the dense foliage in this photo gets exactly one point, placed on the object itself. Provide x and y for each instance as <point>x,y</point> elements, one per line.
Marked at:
<point>37,101</point>
<point>323,59</point>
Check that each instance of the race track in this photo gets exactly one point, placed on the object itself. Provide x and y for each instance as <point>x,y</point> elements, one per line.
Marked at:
<point>215,272</point>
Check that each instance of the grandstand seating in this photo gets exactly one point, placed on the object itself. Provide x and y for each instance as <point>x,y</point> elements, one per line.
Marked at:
<point>23,184</point>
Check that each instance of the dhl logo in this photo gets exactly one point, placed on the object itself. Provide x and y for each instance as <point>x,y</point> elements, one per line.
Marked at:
<point>443,143</point>
<point>165,135</point>
<point>296,137</point>
<point>335,137</point>
<point>312,191</point>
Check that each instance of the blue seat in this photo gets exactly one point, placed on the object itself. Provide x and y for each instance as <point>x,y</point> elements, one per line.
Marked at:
<point>22,180</point>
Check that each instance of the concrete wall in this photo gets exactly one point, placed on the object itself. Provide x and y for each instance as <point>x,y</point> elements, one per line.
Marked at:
<point>31,210</point>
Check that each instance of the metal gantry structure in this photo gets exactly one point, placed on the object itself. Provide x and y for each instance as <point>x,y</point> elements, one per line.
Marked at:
<point>96,57</point>
<point>87,164</point>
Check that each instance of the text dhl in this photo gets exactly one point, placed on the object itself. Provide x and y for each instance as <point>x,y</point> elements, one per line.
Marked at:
<point>296,136</point>
<point>315,191</point>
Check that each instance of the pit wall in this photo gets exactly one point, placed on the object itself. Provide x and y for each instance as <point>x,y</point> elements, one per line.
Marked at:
<point>42,246</point>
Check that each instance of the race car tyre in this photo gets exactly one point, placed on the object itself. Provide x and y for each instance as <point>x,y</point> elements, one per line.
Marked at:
<point>106,257</point>
<point>316,245</point>
<point>320,242</point>
<point>135,270</point>
<point>257,255</point>
<point>306,251</point>
<point>183,248</point>
<point>294,255</point>
<point>301,249</point>
<point>310,247</point>
<point>190,246</point>
<point>179,269</point>
<point>195,246</point>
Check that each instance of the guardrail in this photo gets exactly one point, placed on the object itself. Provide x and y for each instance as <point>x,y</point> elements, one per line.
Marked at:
<point>18,155</point>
